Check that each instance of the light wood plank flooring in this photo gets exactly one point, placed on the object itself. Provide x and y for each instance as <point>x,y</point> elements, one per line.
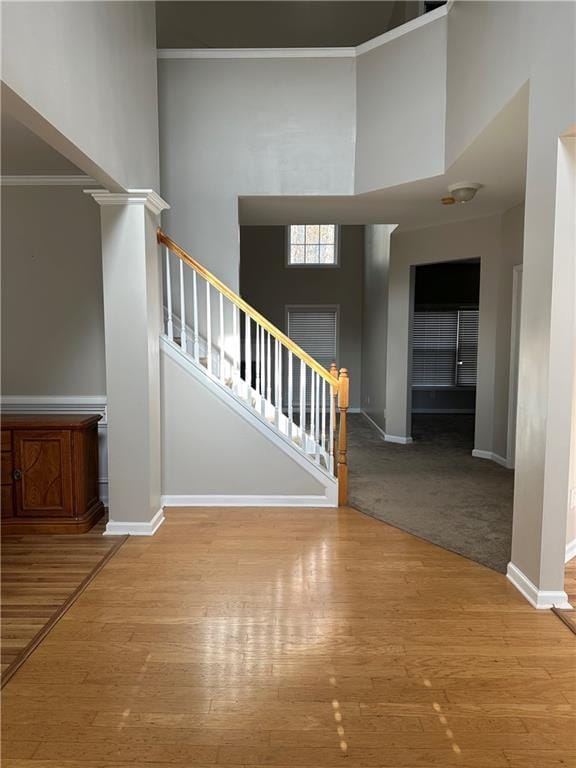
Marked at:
<point>40,574</point>
<point>308,638</point>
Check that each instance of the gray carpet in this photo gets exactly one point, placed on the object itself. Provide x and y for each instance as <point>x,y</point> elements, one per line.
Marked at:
<point>433,488</point>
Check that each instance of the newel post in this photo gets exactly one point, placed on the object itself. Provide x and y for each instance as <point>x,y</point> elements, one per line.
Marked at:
<point>343,403</point>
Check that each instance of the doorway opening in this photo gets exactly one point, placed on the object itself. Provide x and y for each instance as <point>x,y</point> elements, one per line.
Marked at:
<point>444,344</point>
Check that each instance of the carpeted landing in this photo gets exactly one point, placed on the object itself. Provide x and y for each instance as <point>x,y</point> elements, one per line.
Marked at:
<point>433,487</point>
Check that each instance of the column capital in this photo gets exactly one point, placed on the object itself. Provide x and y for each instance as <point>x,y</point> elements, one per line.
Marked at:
<point>146,197</point>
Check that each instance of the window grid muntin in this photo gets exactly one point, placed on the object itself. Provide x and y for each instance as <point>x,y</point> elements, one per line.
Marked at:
<point>306,243</point>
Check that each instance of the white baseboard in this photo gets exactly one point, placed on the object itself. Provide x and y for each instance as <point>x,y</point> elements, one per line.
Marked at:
<point>570,550</point>
<point>537,597</point>
<point>213,500</point>
<point>478,454</point>
<point>376,426</point>
<point>119,528</point>
<point>399,439</point>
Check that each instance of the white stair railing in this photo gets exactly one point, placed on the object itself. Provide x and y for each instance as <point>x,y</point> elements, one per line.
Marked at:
<point>238,347</point>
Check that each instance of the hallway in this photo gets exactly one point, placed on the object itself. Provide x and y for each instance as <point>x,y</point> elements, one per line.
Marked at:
<point>434,488</point>
<point>294,637</point>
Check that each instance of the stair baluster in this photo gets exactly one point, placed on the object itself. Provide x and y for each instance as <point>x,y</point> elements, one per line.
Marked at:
<point>319,432</point>
<point>182,310</point>
<point>208,330</point>
<point>248,357</point>
<point>222,337</point>
<point>170,324</point>
<point>302,400</point>
<point>195,315</point>
<point>290,395</point>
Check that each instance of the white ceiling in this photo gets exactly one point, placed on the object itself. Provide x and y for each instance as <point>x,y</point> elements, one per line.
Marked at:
<point>496,159</point>
<point>25,154</point>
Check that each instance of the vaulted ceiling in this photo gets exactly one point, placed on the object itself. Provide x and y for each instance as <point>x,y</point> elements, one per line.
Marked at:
<point>276,24</point>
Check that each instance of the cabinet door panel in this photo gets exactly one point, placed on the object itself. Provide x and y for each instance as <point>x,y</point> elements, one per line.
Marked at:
<point>45,461</point>
<point>6,468</point>
<point>7,501</point>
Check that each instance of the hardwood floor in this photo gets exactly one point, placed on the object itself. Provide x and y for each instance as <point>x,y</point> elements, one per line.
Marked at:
<point>40,574</point>
<point>309,638</point>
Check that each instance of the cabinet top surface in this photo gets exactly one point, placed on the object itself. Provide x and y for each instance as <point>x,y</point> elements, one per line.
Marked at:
<point>48,421</point>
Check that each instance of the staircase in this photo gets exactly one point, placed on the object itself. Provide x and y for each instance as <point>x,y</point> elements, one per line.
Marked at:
<point>255,363</point>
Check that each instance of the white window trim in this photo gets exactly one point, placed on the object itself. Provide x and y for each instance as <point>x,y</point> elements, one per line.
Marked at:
<point>336,263</point>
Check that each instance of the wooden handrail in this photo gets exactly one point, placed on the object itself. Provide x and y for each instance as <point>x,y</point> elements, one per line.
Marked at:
<point>245,307</point>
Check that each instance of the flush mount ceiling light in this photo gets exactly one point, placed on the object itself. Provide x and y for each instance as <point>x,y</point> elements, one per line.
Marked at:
<point>462,192</point>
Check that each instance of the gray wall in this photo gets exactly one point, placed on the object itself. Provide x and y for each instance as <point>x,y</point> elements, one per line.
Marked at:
<point>267,284</point>
<point>511,249</point>
<point>87,74</point>
<point>401,100</point>
<point>497,242</point>
<point>375,321</point>
<point>52,314</point>
<point>209,449</point>
<point>493,49</point>
<point>249,127</point>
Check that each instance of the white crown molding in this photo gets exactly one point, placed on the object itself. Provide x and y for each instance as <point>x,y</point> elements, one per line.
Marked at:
<point>47,181</point>
<point>403,29</point>
<point>146,197</point>
<point>256,53</point>
<point>213,500</point>
<point>123,528</point>
<point>306,53</point>
<point>539,598</point>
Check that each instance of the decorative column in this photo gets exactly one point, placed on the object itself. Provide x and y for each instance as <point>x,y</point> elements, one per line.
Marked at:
<point>546,380</point>
<point>133,321</point>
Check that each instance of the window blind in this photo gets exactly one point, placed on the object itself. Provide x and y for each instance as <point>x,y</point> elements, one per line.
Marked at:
<point>434,345</point>
<point>315,329</point>
<point>467,347</point>
<point>445,348</point>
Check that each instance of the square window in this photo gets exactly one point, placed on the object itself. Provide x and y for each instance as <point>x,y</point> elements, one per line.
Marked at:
<point>313,244</point>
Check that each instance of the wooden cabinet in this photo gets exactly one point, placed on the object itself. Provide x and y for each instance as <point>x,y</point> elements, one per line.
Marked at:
<point>50,474</point>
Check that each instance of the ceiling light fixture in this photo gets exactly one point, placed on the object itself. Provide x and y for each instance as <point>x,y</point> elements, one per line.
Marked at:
<point>463,191</point>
